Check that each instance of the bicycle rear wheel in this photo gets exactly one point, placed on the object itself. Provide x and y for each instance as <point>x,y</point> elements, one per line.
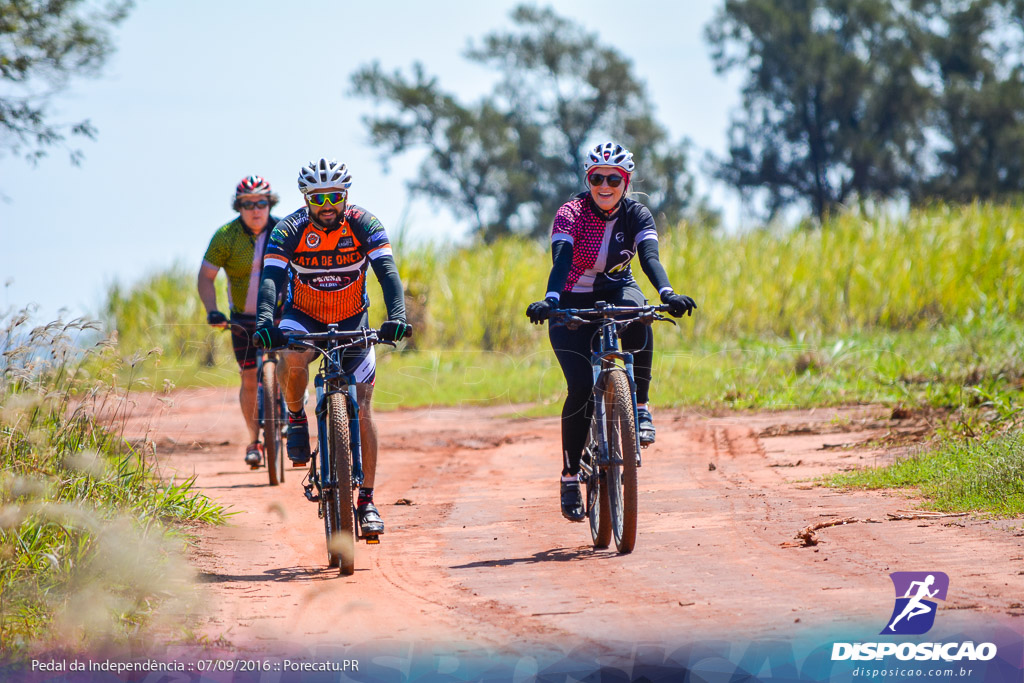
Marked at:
<point>620,475</point>
<point>272,423</point>
<point>597,494</point>
<point>338,520</point>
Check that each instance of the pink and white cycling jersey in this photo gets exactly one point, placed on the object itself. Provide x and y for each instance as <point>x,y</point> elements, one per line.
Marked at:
<point>601,250</point>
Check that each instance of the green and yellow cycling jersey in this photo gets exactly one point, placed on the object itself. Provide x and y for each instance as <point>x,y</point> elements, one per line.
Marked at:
<point>240,254</point>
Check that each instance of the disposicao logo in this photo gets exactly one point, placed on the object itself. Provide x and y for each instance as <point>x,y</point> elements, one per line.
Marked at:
<point>914,612</point>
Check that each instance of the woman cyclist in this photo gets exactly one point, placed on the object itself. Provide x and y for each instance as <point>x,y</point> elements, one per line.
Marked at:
<point>593,240</point>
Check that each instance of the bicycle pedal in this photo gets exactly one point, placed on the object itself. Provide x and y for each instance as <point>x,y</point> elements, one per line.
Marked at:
<point>310,496</point>
<point>372,539</point>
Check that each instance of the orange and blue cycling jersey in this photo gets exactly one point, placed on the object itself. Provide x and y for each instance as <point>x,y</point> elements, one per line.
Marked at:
<point>327,269</point>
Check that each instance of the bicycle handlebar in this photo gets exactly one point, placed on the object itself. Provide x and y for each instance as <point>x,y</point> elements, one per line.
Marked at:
<point>365,337</point>
<point>575,317</point>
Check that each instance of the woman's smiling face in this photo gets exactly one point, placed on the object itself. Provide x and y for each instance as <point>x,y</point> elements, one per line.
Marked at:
<point>604,195</point>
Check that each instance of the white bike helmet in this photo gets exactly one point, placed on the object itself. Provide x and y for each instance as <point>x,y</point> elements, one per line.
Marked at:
<point>609,154</point>
<point>318,176</point>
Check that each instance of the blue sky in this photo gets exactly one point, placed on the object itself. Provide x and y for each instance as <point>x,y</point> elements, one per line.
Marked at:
<point>200,94</point>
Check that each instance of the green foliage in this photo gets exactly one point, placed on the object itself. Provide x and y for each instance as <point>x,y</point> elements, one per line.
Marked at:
<point>88,555</point>
<point>851,101</point>
<point>831,107</point>
<point>43,43</point>
<point>975,57</point>
<point>509,161</point>
<point>957,475</point>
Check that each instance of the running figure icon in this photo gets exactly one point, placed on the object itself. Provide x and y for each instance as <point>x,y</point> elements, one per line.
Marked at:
<point>916,607</point>
<point>914,591</point>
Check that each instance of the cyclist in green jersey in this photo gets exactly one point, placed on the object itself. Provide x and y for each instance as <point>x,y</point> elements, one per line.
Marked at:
<point>238,248</point>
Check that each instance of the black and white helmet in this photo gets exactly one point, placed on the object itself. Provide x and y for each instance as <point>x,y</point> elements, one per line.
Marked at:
<point>609,154</point>
<point>318,176</point>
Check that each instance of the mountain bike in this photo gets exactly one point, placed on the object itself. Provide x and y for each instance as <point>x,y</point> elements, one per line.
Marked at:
<point>270,414</point>
<point>336,465</point>
<point>612,454</point>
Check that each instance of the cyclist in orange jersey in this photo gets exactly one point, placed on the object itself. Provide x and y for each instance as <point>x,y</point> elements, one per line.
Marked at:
<point>321,253</point>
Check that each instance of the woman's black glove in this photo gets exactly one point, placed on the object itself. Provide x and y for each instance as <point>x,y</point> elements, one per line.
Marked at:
<point>216,318</point>
<point>678,304</point>
<point>539,311</point>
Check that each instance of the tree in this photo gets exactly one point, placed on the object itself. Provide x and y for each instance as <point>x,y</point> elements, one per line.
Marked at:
<point>832,111</point>
<point>508,161</point>
<point>43,44</point>
<point>974,59</point>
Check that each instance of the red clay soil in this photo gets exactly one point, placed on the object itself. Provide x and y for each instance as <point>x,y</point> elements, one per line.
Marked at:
<point>477,552</point>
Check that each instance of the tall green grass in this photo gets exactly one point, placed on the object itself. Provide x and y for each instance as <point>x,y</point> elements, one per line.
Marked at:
<point>940,266</point>
<point>89,552</point>
<point>944,265</point>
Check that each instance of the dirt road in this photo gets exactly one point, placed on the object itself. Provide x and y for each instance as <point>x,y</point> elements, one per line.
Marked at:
<point>482,556</point>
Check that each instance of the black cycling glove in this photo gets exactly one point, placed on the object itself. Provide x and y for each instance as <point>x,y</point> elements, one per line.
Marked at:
<point>270,337</point>
<point>539,311</point>
<point>395,330</point>
<point>216,318</point>
<point>678,304</point>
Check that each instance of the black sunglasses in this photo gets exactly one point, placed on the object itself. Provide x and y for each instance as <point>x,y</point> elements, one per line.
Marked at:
<point>261,204</point>
<point>595,179</point>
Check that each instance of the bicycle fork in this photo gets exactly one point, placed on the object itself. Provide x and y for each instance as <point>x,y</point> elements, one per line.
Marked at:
<point>325,480</point>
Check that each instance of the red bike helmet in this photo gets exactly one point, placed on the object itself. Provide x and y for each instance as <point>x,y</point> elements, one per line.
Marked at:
<point>253,184</point>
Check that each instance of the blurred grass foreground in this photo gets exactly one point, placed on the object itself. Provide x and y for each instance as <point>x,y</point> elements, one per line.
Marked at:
<point>91,540</point>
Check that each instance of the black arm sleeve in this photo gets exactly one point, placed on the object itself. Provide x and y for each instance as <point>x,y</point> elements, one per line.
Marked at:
<point>561,262</point>
<point>387,275</point>
<point>273,282</point>
<point>651,264</point>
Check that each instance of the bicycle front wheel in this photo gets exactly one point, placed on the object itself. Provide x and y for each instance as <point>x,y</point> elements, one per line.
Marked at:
<point>272,424</point>
<point>338,520</point>
<point>620,475</point>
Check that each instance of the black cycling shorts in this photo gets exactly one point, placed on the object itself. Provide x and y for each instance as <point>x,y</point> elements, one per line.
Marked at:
<point>360,363</point>
<point>242,329</point>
